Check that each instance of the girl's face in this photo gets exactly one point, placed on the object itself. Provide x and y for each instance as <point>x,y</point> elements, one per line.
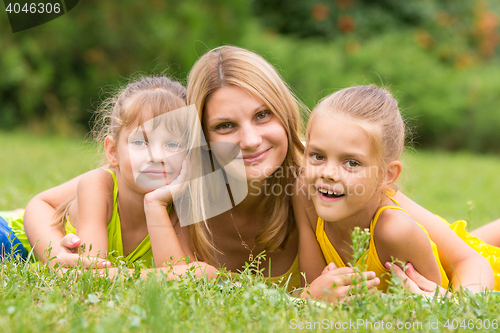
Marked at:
<point>150,156</point>
<point>233,115</point>
<point>341,169</point>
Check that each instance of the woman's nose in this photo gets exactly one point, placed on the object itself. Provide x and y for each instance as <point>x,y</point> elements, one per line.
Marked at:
<point>250,137</point>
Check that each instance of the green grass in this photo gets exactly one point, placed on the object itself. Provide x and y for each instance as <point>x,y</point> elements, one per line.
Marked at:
<point>456,186</point>
<point>35,300</point>
<point>30,164</point>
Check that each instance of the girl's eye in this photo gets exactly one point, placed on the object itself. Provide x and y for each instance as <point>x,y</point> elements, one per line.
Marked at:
<point>262,115</point>
<point>139,143</point>
<point>173,145</point>
<point>352,164</point>
<point>317,157</point>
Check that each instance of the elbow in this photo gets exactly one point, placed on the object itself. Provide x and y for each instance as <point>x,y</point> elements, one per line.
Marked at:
<point>474,274</point>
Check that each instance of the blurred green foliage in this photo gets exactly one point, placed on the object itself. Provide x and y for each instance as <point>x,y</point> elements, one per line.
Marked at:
<point>438,57</point>
<point>52,74</point>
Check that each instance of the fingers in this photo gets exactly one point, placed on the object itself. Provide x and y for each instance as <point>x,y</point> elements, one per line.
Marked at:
<point>66,258</point>
<point>422,282</point>
<point>415,282</point>
<point>330,267</point>
<point>419,280</point>
<point>70,242</point>
<point>340,278</point>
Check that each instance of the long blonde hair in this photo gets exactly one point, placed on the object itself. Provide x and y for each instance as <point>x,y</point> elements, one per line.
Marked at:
<point>233,66</point>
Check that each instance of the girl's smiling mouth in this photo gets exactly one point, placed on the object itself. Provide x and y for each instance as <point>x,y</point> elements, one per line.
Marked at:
<point>329,194</point>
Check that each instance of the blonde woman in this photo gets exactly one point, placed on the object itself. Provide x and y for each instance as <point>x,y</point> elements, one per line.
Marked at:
<point>241,99</point>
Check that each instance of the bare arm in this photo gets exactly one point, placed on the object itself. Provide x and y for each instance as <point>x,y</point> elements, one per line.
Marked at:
<point>38,218</point>
<point>398,236</point>
<point>464,266</point>
<point>94,210</point>
<point>164,241</point>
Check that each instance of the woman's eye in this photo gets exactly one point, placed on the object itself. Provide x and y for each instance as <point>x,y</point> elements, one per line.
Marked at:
<point>139,143</point>
<point>223,126</point>
<point>262,115</point>
<point>317,157</point>
<point>352,164</point>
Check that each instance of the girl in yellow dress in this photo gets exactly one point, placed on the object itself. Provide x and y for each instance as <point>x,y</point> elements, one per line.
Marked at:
<point>354,140</point>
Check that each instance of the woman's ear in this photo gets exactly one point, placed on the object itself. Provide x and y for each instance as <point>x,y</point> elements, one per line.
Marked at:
<point>392,173</point>
<point>111,151</point>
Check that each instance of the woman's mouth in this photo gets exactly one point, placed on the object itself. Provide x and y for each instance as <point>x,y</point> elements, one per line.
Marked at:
<point>256,157</point>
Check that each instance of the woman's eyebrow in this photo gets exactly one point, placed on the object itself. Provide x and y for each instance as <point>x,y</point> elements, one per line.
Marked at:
<point>228,119</point>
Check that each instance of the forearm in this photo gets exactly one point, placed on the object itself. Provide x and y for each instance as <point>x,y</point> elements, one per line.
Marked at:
<point>464,266</point>
<point>164,241</point>
<point>473,273</point>
<point>38,223</point>
<point>40,230</point>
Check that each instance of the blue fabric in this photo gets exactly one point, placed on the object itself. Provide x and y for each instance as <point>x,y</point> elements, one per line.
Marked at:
<point>9,243</point>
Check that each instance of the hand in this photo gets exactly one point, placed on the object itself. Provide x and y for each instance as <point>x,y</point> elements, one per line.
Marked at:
<point>415,282</point>
<point>165,195</point>
<point>68,256</point>
<point>334,284</point>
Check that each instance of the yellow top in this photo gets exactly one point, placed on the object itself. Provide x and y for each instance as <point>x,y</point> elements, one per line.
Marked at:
<point>290,278</point>
<point>372,260</point>
<point>143,254</point>
<point>17,226</point>
<point>489,252</point>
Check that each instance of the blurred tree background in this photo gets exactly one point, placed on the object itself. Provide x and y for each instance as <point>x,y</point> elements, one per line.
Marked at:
<point>440,58</point>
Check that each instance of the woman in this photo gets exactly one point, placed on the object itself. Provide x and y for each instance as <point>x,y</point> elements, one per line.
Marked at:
<point>241,99</point>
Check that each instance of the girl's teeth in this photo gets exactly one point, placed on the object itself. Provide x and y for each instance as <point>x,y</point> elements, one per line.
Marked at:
<point>330,192</point>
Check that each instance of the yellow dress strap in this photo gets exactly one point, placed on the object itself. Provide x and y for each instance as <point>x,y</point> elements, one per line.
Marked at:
<point>394,200</point>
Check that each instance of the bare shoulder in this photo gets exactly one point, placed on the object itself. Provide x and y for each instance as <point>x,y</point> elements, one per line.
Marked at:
<point>96,185</point>
<point>97,177</point>
<point>303,207</point>
<point>394,227</point>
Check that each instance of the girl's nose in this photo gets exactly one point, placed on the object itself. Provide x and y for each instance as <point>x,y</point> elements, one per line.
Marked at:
<point>330,172</point>
<point>156,153</point>
<point>250,138</point>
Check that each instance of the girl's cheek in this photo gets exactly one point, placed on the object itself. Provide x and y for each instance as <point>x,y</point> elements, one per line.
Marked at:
<point>311,173</point>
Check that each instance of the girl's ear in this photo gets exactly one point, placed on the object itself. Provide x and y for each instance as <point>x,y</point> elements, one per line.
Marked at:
<point>391,175</point>
<point>111,151</point>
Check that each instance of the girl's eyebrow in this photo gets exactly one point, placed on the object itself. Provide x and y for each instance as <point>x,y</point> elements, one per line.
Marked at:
<point>312,147</point>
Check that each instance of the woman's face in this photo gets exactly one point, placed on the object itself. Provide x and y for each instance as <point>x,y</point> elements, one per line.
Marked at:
<point>233,115</point>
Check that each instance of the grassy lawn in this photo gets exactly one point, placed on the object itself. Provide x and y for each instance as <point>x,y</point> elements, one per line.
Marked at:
<point>35,300</point>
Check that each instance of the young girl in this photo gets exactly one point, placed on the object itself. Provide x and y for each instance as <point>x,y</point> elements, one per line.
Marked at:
<point>354,140</point>
<point>147,131</point>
